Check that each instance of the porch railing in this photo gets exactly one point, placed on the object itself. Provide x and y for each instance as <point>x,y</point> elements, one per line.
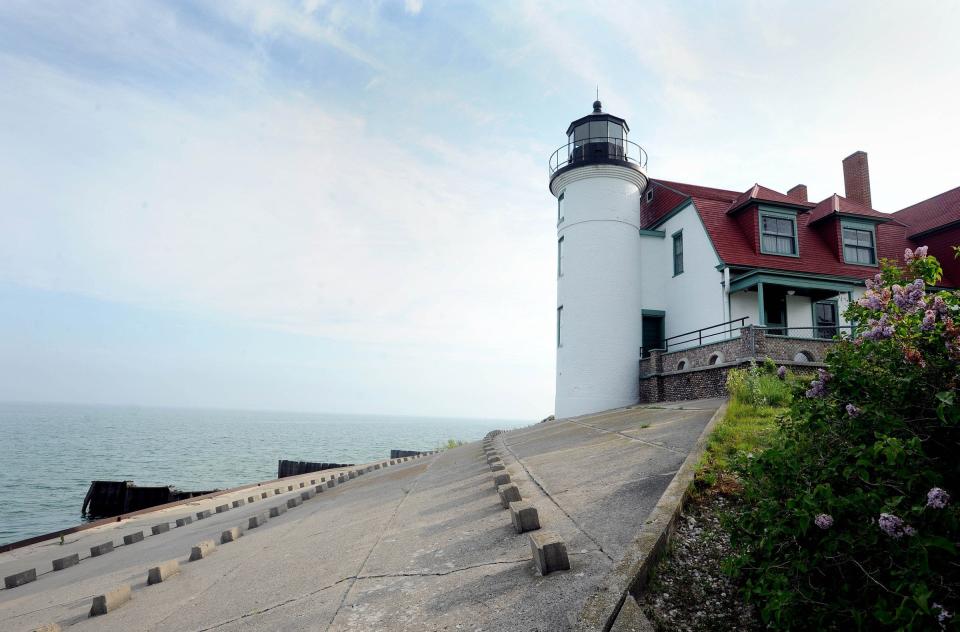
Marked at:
<point>813,333</point>
<point>698,335</point>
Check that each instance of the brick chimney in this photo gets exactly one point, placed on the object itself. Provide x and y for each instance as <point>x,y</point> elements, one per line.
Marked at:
<point>856,178</point>
<point>798,193</point>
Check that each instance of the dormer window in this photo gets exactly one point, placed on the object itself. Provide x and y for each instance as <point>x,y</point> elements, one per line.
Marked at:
<point>859,243</point>
<point>778,234</point>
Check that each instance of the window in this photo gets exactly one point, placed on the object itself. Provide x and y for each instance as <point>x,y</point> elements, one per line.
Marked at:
<point>559,325</point>
<point>678,253</point>
<point>859,244</point>
<point>825,319</point>
<point>650,195</point>
<point>778,235</point>
<point>560,257</point>
<point>560,208</point>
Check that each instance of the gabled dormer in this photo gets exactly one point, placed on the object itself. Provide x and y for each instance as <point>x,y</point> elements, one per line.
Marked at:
<point>850,228</point>
<point>770,220</point>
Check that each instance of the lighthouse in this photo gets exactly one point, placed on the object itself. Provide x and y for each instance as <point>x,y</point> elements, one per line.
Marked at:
<point>598,178</point>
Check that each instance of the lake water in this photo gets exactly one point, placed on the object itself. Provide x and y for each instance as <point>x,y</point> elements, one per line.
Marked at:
<point>49,453</point>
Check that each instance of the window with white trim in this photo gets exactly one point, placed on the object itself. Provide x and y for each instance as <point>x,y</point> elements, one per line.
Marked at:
<point>678,253</point>
<point>560,257</point>
<point>560,208</point>
<point>559,325</point>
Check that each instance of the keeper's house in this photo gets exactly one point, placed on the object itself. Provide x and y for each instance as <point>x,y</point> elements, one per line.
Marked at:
<point>663,286</point>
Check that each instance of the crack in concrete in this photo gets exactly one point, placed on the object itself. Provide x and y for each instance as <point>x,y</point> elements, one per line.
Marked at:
<point>626,436</point>
<point>447,572</point>
<point>383,532</point>
<point>276,605</point>
<point>554,501</point>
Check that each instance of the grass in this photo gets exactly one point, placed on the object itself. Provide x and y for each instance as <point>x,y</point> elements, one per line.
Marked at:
<point>745,429</point>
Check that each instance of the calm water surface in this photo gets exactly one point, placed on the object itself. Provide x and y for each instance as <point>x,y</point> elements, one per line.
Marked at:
<point>49,453</point>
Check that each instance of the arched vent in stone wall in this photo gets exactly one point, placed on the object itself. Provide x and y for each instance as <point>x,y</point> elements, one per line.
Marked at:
<point>804,356</point>
<point>715,358</point>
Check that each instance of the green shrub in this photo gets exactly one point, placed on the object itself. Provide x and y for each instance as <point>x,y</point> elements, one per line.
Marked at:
<point>760,385</point>
<point>847,521</point>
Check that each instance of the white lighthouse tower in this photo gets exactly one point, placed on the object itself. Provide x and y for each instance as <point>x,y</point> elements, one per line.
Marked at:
<point>598,178</point>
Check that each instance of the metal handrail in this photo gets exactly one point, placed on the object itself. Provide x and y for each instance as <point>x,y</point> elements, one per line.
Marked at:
<point>589,149</point>
<point>701,335</point>
<point>814,329</point>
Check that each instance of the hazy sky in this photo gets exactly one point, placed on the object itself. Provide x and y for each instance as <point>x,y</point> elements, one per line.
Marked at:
<point>343,206</point>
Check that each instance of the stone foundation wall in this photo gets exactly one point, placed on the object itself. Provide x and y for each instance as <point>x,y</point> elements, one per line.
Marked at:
<point>705,368</point>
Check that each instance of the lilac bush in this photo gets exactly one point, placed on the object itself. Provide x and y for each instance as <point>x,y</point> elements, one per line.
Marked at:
<point>847,521</point>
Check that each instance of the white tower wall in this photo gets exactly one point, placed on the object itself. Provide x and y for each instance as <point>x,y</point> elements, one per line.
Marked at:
<point>599,289</point>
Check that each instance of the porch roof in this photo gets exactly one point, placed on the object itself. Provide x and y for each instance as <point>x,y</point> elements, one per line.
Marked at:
<point>811,282</point>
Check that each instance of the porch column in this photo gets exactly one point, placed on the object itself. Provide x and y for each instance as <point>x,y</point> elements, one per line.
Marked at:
<point>761,312</point>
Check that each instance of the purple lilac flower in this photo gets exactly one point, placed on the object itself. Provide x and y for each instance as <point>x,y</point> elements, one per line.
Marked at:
<point>894,527</point>
<point>879,329</point>
<point>852,410</point>
<point>782,372</point>
<point>818,387</point>
<point>939,306</point>
<point>920,252</point>
<point>943,615</point>
<point>908,255</point>
<point>824,521</point>
<point>910,297</point>
<point>937,498</point>
<point>929,319</point>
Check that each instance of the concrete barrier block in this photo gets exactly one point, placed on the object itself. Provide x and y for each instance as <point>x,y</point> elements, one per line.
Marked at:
<point>319,489</point>
<point>230,535</point>
<point>277,491</point>
<point>493,459</point>
<point>157,529</point>
<point>182,522</point>
<point>277,510</point>
<point>258,520</point>
<point>313,481</point>
<point>294,502</point>
<point>238,503</point>
<point>497,467</point>
<point>301,484</point>
<point>162,572</point>
<point>369,468</point>
<point>501,479</point>
<point>308,494</point>
<point>376,466</point>
<point>508,494</point>
<point>392,462</point>
<point>524,516</point>
<point>19,579</point>
<point>203,514</point>
<point>133,538</point>
<point>341,478</point>
<point>101,549</point>
<point>549,552</point>
<point>223,508</point>
<point>66,562</point>
<point>264,495</point>
<point>251,499</point>
<point>201,550</point>
<point>289,488</point>
<point>331,484</point>
<point>351,475</point>
<point>110,601</point>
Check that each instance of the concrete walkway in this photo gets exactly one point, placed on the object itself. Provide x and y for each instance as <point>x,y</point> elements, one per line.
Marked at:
<point>422,545</point>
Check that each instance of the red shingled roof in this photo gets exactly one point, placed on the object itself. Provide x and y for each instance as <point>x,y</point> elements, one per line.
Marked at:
<point>760,193</point>
<point>736,237</point>
<point>839,205</point>
<point>940,210</point>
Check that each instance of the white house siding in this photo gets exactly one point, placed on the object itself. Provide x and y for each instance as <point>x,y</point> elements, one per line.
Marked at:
<point>600,336</point>
<point>694,299</point>
<point>744,303</point>
<point>799,314</point>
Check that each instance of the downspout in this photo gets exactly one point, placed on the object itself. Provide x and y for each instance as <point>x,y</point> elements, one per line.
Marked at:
<point>726,300</point>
